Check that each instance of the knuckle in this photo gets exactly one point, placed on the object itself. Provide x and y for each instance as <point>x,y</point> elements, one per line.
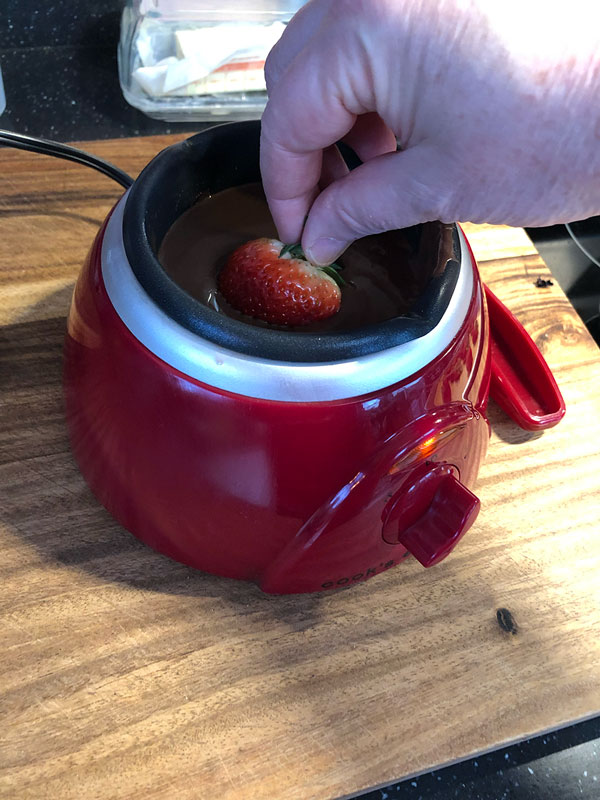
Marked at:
<point>438,191</point>
<point>445,204</point>
<point>272,69</point>
<point>352,219</point>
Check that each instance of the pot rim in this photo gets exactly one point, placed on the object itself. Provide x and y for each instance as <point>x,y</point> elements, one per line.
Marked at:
<point>289,381</point>
<point>210,161</point>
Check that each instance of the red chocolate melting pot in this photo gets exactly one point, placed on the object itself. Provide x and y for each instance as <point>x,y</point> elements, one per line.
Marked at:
<point>304,460</point>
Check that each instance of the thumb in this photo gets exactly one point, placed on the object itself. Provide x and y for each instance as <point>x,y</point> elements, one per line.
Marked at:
<point>391,191</point>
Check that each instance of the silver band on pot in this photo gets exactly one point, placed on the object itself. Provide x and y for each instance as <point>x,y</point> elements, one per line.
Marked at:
<point>263,378</point>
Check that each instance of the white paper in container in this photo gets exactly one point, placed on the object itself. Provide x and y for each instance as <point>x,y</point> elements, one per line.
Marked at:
<point>194,60</point>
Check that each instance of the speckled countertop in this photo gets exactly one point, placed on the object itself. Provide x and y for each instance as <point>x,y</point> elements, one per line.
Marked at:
<point>59,67</point>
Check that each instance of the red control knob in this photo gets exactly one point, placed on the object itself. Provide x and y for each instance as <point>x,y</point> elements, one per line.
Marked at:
<point>431,514</point>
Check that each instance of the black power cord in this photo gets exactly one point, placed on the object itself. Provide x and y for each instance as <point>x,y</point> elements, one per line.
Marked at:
<point>23,142</point>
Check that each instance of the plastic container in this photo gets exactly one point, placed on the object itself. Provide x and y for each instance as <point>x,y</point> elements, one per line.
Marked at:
<point>189,60</point>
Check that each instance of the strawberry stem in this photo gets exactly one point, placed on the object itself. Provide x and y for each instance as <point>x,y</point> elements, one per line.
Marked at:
<point>296,251</point>
<point>332,271</point>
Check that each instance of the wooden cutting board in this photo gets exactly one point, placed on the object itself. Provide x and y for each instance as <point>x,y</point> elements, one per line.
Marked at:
<point>124,674</point>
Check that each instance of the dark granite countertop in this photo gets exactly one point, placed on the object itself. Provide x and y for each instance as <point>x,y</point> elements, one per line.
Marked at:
<point>60,75</point>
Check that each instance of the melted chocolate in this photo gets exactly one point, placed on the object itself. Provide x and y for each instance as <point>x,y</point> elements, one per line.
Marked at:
<point>385,273</point>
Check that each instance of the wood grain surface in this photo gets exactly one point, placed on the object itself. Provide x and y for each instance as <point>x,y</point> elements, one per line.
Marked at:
<point>126,675</point>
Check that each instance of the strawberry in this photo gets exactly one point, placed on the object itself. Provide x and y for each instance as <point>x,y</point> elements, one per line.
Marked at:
<point>275,283</point>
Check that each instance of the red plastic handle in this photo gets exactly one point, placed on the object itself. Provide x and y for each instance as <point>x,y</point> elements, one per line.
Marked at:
<point>521,383</point>
<point>432,514</point>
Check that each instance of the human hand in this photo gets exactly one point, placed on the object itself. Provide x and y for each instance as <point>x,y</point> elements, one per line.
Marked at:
<point>494,105</point>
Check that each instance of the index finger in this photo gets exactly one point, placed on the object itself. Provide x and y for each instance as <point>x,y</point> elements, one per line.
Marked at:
<point>311,107</point>
<point>303,25</point>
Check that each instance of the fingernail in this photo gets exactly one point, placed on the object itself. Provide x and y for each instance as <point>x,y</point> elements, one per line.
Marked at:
<point>325,251</point>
